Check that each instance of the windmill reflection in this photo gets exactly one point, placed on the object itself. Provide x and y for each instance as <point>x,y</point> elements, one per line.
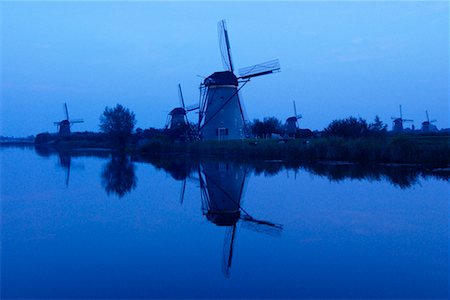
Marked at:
<point>65,159</point>
<point>118,176</point>
<point>222,186</point>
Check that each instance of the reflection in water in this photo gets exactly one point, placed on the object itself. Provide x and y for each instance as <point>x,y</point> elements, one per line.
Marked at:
<point>222,185</point>
<point>118,176</point>
<point>65,160</point>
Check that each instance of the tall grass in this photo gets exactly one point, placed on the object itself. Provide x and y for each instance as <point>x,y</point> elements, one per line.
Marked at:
<point>397,149</point>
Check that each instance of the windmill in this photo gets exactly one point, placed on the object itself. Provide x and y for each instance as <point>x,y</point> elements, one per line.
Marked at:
<point>398,121</point>
<point>427,126</point>
<point>222,186</point>
<point>292,123</point>
<point>177,117</point>
<point>64,125</point>
<point>221,115</point>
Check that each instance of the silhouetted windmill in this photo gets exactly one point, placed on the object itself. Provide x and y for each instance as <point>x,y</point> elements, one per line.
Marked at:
<point>398,121</point>
<point>222,186</point>
<point>221,114</point>
<point>427,126</point>
<point>64,125</point>
<point>292,123</point>
<point>177,117</point>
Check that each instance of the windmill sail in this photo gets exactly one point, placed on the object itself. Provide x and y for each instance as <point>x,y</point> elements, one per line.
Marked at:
<point>180,96</point>
<point>228,245</point>
<point>224,43</point>
<point>264,68</point>
<point>66,111</point>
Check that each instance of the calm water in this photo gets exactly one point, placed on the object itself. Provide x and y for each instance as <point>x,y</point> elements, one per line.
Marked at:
<point>112,227</point>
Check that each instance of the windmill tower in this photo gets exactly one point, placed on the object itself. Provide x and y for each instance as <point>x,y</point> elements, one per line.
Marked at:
<point>177,117</point>
<point>398,122</point>
<point>222,187</point>
<point>292,123</point>
<point>221,115</point>
<point>64,125</point>
<point>427,126</point>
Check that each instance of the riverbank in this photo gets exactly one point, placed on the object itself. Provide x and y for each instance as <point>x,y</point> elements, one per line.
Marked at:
<point>433,150</point>
<point>397,149</point>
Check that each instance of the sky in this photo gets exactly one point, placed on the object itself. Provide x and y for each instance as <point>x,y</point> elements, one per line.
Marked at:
<point>338,59</point>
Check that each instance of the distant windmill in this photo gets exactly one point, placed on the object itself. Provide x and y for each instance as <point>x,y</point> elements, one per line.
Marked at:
<point>427,126</point>
<point>64,125</point>
<point>222,187</point>
<point>177,117</point>
<point>292,123</point>
<point>398,121</point>
<point>221,115</point>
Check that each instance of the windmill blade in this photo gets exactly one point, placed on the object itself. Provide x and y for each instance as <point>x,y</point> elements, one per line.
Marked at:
<point>264,68</point>
<point>57,123</point>
<point>261,226</point>
<point>433,121</point>
<point>428,118</point>
<point>407,120</point>
<point>295,109</point>
<point>68,175</point>
<point>66,111</point>
<point>180,96</point>
<point>401,114</point>
<point>192,107</point>
<point>77,121</point>
<point>224,44</point>
<point>228,245</point>
<point>183,190</point>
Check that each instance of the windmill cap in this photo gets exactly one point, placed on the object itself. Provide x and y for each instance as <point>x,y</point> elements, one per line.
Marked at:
<point>221,78</point>
<point>177,111</point>
<point>223,218</point>
<point>291,119</point>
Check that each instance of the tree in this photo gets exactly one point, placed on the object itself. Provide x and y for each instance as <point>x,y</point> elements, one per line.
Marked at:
<point>118,122</point>
<point>377,128</point>
<point>268,126</point>
<point>347,128</point>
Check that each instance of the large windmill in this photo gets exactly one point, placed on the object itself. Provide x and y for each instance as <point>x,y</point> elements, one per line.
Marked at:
<point>64,125</point>
<point>398,121</point>
<point>292,123</point>
<point>221,115</point>
<point>177,117</point>
<point>427,126</point>
<point>222,186</point>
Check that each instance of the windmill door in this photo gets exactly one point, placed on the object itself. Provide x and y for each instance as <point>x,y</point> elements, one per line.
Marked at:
<point>222,133</point>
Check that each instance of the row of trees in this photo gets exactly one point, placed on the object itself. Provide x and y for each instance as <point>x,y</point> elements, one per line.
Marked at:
<point>119,122</point>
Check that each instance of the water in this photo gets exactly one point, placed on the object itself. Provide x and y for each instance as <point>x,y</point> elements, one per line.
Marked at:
<point>114,227</point>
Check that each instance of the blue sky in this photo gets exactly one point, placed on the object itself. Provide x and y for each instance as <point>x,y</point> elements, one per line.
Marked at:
<point>337,59</point>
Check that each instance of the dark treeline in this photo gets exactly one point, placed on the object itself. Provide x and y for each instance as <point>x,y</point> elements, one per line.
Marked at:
<point>349,139</point>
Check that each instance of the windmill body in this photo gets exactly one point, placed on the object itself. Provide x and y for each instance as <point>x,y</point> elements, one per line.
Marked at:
<point>224,118</point>
<point>398,122</point>
<point>427,125</point>
<point>177,118</point>
<point>292,123</point>
<point>64,125</point>
<point>222,115</point>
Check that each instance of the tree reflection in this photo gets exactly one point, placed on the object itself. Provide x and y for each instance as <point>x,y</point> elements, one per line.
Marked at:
<point>118,176</point>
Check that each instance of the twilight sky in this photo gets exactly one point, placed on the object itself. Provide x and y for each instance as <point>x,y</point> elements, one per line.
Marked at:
<point>337,59</point>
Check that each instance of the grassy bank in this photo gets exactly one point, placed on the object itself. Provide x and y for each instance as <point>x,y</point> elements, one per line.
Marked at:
<point>397,149</point>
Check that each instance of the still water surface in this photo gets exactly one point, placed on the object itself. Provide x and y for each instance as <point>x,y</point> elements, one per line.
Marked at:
<point>112,227</point>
